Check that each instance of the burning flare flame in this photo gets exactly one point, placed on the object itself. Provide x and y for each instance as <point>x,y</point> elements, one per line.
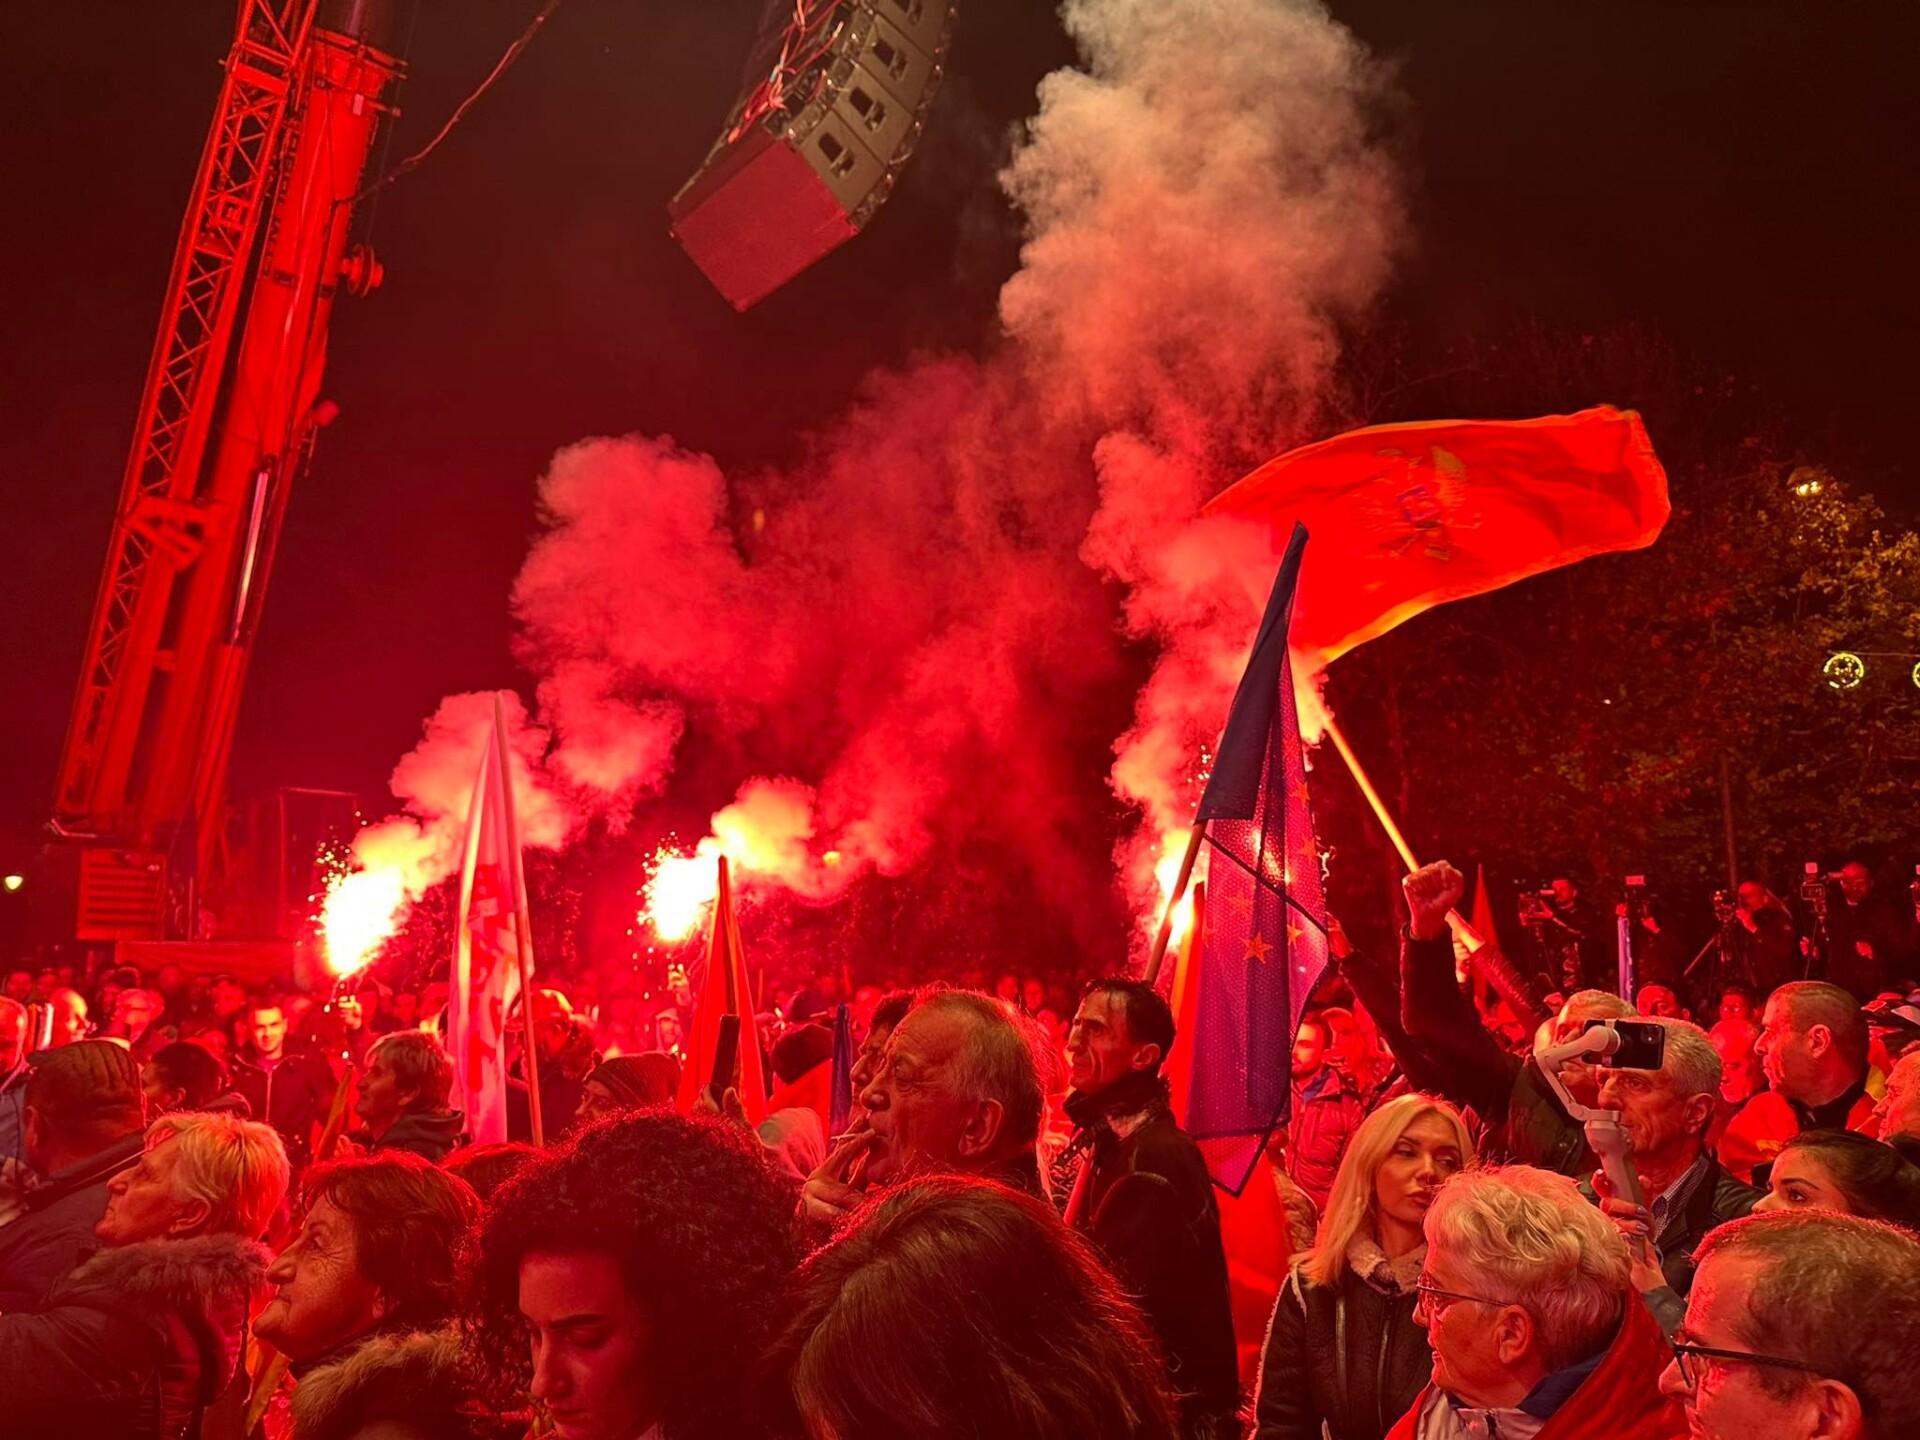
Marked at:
<point>678,893</point>
<point>1166,874</point>
<point>360,914</point>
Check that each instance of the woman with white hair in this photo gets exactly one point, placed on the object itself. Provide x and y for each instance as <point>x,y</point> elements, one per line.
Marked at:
<point>1536,1331</point>
<point>1344,1355</point>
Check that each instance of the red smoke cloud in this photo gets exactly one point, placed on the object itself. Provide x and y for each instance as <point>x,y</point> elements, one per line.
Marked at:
<point>915,640</point>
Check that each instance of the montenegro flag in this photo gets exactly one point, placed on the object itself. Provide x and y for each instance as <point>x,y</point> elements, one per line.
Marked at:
<point>1405,517</point>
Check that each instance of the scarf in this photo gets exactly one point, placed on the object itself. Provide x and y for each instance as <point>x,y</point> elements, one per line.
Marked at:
<point>1120,1105</point>
<point>1389,1277</point>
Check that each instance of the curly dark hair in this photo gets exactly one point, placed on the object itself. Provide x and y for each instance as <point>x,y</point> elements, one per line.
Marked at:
<point>705,1234</point>
<point>953,1307</point>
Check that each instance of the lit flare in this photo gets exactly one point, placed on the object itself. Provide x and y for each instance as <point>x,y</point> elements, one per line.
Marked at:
<point>678,893</point>
<point>360,914</point>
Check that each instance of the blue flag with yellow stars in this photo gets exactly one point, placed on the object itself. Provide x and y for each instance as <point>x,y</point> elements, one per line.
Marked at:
<point>1264,926</point>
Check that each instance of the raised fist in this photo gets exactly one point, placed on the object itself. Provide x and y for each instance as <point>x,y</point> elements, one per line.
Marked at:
<point>1431,892</point>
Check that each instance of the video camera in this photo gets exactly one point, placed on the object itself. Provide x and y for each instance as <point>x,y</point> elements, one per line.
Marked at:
<point>1534,898</point>
<point>1813,889</point>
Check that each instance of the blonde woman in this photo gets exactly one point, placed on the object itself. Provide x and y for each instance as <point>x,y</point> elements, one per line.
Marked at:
<point>1344,1357</point>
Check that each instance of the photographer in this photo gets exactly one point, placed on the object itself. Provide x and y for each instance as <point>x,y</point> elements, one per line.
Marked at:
<point>1869,935</point>
<point>1570,940</point>
<point>1526,1124</point>
<point>1757,947</point>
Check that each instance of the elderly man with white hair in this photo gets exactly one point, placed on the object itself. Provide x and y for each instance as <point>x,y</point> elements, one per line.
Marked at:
<point>1529,1307</point>
<point>960,1089</point>
<point>138,1340</point>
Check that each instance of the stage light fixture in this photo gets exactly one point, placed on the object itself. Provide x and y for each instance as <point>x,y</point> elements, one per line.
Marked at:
<point>838,93</point>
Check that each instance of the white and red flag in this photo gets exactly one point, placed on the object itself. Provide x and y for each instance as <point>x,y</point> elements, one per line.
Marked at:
<point>488,963</point>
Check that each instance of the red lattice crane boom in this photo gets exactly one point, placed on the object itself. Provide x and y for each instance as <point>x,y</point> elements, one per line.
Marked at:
<point>226,420</point>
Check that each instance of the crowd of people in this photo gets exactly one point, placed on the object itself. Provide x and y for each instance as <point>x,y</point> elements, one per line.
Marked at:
<point>227,1212</point>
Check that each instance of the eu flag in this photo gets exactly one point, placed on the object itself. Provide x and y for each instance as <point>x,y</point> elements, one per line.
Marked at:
<point>1264,923</point>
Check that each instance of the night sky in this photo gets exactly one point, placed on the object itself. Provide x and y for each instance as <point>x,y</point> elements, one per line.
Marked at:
<point>1736,176</point>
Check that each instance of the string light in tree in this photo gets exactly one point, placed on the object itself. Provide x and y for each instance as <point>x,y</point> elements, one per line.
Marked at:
<point>1844,670</point>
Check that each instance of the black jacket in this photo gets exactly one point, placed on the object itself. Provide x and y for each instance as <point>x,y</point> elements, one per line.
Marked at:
<point>430,1134</point>
<point>1146,1201</point>
<point>1717,1199</point>
<point>56,1232</point>
<point>292,1096</point>
<point>1525,1124</point>
<point>1348,1356</point>
<point>1885,927</point>
<point>135,1344</point>
<point>560,1096</point>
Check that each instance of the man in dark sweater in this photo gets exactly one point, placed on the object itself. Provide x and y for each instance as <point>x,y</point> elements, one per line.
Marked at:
<point>1143,1197</point>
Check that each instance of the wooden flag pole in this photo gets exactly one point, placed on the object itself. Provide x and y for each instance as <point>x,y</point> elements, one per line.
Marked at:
<point>1498,970</point>
<point>1194,838</point>
<point>1455,920</point>
<point>522,923</point>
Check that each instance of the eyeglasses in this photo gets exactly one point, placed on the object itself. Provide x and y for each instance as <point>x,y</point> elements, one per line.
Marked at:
<point>1435,1300</point>
<point>1688,1357</point>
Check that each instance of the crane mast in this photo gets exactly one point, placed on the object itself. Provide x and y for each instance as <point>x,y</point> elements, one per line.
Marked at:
<point>226,421</point>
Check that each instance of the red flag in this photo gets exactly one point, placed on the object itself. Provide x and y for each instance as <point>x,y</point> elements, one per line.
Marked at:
<point>724,991</point>
<point>1483,906</point>
<point>1406,517</point>
<point>485,979</point>
<point>1253,1224</point>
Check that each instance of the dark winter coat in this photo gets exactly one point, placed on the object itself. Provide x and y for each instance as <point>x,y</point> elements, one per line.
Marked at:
<point>1717,1199</point>
<point>1348,1356</point>
<point>134,1344</point>
<point>560,1097</point>
<point>403,1386</point>
<point>1885,927</point>
<point>1525,1124</point>
<point>431,1134</point>
<point>56,1231</point>
<point>293,1097</point>
<point>1146,1202</point>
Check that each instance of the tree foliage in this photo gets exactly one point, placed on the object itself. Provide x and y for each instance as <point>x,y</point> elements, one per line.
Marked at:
<point>1580,720</point>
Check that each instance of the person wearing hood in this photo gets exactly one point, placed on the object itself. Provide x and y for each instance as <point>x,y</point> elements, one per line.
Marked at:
<point>1344,1355</point>
<point>1143,1197</point>
<point>403,1097</point>
<point>140,1339</point>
